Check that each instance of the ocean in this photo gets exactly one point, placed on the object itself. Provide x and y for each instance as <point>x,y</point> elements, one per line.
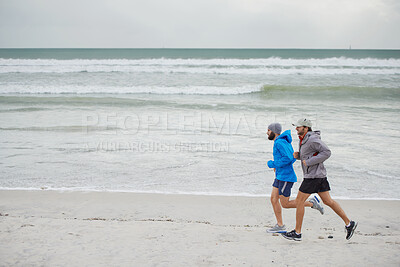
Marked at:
<point>193,121</point>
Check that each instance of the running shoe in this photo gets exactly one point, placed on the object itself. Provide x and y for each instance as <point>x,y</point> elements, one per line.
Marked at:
<point>292,235</point>
<point>317,204</point>
<point>350,229</point>
<point>277,229</point>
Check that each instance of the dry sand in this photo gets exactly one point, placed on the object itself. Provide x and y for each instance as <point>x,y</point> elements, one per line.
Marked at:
<point>49,228</point>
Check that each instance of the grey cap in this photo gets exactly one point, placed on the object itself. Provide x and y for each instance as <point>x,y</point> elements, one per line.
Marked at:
<point>303,122</point>
<point>275,127</point>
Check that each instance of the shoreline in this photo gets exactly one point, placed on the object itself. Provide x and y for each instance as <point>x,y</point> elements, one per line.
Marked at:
<point>204,194</point>
<point>107,228</point>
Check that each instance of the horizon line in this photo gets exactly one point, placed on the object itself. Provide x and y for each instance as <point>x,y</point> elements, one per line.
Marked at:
<point>199,48</point>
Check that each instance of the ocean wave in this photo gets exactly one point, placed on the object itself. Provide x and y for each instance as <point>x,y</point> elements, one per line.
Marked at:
<point>88,101</point>
<point>272,61</point>
<point>159,192</point>
<point>365,172</point>
<point>78,128</point>
<point>189,90</point>
<point>29,109</point>
<point>273,65</point>
<point>340,90</point>
<point>162,90</point>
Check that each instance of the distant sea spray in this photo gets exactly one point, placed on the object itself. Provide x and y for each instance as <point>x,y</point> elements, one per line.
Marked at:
<point>191,76</point>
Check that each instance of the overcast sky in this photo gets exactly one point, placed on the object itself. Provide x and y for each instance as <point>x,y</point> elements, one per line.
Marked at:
<point>200,23</point>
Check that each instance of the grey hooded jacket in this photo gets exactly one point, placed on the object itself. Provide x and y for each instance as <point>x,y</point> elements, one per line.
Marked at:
<point>314,152</point>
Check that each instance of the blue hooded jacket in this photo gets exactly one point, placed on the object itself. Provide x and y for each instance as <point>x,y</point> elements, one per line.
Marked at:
<point>283,158</point>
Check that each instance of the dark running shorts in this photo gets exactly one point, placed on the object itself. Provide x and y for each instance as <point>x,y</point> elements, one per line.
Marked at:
<point>284,187</point>
<point>314,185</point>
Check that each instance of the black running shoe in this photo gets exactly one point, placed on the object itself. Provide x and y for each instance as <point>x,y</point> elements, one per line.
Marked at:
<point>292,235</point>
<point>350,229</point>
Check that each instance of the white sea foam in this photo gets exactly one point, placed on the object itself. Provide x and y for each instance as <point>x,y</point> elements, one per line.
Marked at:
<point>369,172</point>
<point>216,194</point>
<point>162,90</point>
<point>275,66</point>
<point>273,61</point>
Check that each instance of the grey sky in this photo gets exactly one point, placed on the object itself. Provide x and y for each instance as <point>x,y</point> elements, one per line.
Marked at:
<point>200,23</point>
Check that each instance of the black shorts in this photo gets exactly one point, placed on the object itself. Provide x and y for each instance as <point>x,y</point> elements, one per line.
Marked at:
<point>314,185</point>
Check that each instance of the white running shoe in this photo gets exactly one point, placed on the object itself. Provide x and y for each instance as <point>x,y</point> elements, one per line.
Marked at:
<point>317,204</point>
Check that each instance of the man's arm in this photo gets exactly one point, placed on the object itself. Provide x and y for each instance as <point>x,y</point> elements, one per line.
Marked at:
<point>285,159</point>
<point>323,153</point>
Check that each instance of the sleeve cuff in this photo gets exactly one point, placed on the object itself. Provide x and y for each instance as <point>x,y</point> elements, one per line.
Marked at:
<point>270,164</point>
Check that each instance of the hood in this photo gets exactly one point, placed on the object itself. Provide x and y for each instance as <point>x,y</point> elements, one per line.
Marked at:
<point>286,135</point>
<point>312,135</point>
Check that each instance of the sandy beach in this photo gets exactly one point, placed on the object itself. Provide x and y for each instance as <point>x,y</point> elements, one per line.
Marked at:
<point>50,228</point>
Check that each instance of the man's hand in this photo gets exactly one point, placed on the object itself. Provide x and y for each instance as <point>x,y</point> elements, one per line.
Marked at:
<point>305,164</point>
<point>274,170</point>
<point>296,155</point>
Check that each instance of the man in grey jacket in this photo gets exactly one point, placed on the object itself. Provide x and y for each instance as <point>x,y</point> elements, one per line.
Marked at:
<point>312,154</point>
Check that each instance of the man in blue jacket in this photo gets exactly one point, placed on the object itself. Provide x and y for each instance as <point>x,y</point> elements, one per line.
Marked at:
<point>285,176</point>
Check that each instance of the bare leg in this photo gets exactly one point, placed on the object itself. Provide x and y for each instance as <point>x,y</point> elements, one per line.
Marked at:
<point>301,198</point>
<point>276,205</point>
<point>326,198</point>
<point>291,204</point>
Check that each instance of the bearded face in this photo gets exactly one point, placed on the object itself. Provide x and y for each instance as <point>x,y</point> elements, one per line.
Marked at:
<point>301,130</point>
<point>271,135</point>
